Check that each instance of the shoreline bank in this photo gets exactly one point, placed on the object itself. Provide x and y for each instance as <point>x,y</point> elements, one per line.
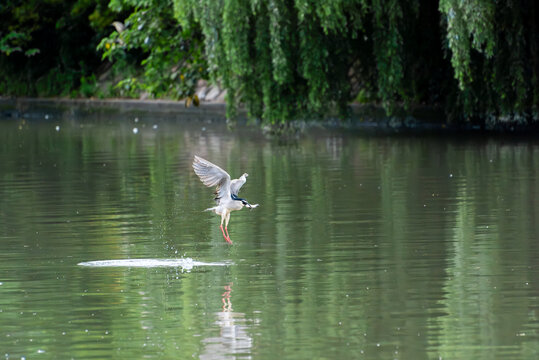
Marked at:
<point>364,117</point>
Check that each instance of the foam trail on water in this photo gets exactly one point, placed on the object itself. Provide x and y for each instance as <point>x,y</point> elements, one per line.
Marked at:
<point>185,263</point>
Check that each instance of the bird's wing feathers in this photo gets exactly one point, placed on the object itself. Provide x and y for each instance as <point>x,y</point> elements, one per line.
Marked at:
<point>236,184</point>
<point>212,175</point>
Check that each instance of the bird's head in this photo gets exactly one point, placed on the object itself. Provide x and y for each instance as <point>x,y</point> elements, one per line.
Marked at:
<point>235,197</point>
<point>245,175</point>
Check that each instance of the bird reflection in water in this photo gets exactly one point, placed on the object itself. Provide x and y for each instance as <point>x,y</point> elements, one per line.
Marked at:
<point>227,304</point>
<point>233,341</point>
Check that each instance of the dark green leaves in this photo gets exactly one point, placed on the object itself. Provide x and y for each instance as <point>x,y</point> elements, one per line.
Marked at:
<point>171,58</point>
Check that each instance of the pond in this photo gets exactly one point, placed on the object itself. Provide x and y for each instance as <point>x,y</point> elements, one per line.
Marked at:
<point>363,246</point>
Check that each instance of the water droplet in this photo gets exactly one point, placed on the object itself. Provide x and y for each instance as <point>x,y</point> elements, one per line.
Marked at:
<point>57,127</point>
<point>135,130</point>
<point>450,175</point>
<point>136,119</point>
<point>154,126</point>
<point>40,351</point>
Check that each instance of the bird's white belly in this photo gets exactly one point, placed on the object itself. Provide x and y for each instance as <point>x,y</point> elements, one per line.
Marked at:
<point>236,205</point>
<point>227,207</point>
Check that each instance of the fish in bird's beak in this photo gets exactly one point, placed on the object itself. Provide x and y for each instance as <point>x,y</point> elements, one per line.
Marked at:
<point>245,203</point>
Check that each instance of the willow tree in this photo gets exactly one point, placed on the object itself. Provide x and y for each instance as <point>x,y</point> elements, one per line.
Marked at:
<point>495,56</point>
<point>287,58</point>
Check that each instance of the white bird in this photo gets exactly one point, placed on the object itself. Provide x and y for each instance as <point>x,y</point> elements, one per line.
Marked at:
<point>226,192</point>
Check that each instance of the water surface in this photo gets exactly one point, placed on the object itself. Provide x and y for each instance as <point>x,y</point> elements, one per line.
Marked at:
<point>375,247</point>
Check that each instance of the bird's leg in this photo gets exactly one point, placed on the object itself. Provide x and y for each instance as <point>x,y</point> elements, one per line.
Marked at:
<point>221,226</point>
<point>226,226</point>
<point>227,238</point>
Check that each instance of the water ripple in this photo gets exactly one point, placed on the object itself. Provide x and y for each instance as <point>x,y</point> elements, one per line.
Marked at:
<point>184,263</point>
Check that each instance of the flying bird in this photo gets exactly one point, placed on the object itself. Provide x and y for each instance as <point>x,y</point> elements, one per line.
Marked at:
<point>226,192</point>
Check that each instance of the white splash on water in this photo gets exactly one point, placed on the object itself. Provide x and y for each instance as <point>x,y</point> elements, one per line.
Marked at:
<point>184,263</point>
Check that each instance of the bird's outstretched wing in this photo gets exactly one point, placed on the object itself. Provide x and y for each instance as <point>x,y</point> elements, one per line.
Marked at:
<point>212,175</point>
<point>236,184</point>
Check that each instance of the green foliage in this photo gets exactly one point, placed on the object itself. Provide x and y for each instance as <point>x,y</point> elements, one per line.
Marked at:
<point>494,54</point>
<point>288,60</point>
<point>89,86</point>
<point>170,57</point>
<point>13,42</point>
<point>469,27</point>
<point>388,47</point>
<point>281,59</point>
<point>56,81</point>
<point>49,45</point>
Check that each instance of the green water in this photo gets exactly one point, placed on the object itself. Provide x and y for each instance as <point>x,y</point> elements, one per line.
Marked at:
<point>374,247</point>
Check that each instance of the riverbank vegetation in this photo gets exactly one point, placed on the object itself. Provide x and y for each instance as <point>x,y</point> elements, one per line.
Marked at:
<point>282,60</point>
